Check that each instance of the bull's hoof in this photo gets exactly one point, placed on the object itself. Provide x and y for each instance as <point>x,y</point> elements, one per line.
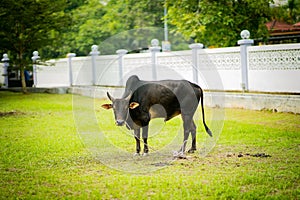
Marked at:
<point>136,154</point>
<point>145,154</point>
<point>191,151</point>
<point>179,155</point>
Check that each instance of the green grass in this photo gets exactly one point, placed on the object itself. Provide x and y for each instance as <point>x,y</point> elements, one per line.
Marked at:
<point>42,156</point>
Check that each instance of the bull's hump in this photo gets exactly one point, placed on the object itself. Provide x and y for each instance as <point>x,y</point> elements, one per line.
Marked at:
<point>132,80</point>
<point>133,83</point>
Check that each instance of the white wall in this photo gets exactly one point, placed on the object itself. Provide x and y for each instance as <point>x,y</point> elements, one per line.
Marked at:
<point>221,68</point>
<point>53,75</point>
<point>271,68</point>
<point>274,68</point>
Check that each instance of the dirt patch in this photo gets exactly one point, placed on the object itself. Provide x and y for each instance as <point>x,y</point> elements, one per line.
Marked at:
<point>161,164</point>
<point>11,113</point>
<point>261,155</point>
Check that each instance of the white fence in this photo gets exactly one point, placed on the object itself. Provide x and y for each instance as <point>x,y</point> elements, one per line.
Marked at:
<point>274,68</point>
<point>271,68</point>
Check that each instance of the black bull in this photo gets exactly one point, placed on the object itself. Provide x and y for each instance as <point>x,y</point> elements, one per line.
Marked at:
<point>145,100</point>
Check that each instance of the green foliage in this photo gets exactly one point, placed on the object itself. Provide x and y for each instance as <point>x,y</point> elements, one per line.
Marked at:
<point>94,22</point>
<point>293,11</point>
<point>42,157</point>
<point>28,25</point>
<point>214,23</point>
<point>218,23</point>
<point>58,27</point>
<point>289,13</point>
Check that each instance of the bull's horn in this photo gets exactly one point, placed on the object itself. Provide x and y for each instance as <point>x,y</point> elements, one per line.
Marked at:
<point>129,96</point>
<point>110,97</point>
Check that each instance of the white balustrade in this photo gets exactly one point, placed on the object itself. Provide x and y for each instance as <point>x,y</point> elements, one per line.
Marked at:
<point>271,68</point>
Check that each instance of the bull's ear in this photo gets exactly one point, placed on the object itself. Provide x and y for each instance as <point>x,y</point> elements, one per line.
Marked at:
<point>133,105</point>
<point>107,106</point>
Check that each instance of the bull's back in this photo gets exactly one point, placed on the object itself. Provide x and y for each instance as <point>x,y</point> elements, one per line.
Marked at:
<point>165,99</point>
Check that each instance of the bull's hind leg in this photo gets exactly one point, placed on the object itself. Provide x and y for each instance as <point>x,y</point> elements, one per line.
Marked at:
<point>187,121</point>
<point>193,133</point>
<point>137,140</point>
<point>145,138</point>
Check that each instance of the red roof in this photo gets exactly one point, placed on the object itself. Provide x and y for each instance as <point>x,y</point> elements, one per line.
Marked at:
<point>276,25</point>
<point>297,24</point>
<point>278,28</point>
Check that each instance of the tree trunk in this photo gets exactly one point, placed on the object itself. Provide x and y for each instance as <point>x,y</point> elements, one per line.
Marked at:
<point>22,67</point>
<point>23,81</point>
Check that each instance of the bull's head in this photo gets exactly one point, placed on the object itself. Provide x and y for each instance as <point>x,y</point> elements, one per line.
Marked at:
<point>121,108</point>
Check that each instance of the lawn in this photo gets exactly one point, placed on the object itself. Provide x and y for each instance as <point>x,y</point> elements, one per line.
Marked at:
<point>50,148</point>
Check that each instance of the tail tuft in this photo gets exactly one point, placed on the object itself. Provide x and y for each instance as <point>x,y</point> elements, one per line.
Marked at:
<point>208,131</point>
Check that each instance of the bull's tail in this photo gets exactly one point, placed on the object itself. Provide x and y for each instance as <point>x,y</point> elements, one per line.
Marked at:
<point>208,131</point>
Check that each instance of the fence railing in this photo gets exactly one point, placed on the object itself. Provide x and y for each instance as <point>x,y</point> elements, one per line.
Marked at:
<point>270,68</point>
<point>274,68</point>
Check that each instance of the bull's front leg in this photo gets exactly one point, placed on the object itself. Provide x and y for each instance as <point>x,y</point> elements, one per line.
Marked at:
<point>137,140</point>
<point>145,138</point>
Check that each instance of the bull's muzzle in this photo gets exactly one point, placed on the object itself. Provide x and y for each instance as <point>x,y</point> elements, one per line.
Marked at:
<point>120,122</point>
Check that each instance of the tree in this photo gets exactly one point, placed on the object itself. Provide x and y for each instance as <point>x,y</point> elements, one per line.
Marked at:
<point>28,25</point>
<point>293,7</point>
<point>218,23</point>
<point>289,13</point>
<point>93,22</point>
<point>126,15</point>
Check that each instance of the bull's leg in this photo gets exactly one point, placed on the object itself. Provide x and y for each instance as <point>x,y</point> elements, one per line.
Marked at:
<point>145,138</point>
<point>187,120</point>
<point>193,133</point>
<point>137,139</point>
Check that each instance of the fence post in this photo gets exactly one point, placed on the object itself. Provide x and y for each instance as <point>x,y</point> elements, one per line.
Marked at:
<point>121,53</point>
<point>195,62</point>
<point>5,61</point>
<point>70,56</point>
<point>34,59</point>
<point>154,49</point>
<point>94,53</point>
<point>244,43</point>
